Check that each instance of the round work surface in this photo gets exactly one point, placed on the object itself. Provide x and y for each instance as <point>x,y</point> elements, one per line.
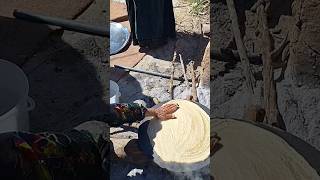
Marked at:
<point>249,151</point>
<point>181,144</point>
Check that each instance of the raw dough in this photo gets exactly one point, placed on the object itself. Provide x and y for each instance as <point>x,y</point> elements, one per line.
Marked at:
<point>182,144</point>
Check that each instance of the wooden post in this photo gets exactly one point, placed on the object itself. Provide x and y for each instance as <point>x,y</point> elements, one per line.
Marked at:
<point>240,46</point>
<point>272,116</point>
<point>184,72</point>
<point>172,75</point>
<point>193,86</point>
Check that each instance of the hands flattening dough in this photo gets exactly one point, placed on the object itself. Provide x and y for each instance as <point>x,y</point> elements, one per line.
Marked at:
<point>164,112</point>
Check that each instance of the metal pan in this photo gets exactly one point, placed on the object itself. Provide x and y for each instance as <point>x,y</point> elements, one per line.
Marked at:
<point>119,37</point>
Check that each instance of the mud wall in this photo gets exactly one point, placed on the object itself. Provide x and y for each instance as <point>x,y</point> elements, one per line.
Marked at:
<point>298,79</point>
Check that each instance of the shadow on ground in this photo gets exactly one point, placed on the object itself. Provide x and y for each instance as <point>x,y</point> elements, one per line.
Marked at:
<point>190,46</point>
<point>65,81</point>
<point>130,89</point>
<point>19,39</point>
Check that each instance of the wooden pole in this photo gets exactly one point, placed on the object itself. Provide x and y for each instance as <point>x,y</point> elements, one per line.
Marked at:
<point>240,46</point>
<point>194,86</point>
<point>272,116</point>
<point>184,71</point>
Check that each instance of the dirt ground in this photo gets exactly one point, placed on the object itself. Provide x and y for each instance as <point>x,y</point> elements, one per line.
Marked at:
<point>190,44</point>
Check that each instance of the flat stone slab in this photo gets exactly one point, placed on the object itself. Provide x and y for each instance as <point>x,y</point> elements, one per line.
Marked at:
<point>69,84</point>
<point>68,9</point>
<point>20,39</point>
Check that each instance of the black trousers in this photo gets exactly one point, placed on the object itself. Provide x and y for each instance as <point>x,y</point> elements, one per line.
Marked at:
<point>152,22</point>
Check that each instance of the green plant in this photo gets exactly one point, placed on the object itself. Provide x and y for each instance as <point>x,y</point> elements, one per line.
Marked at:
<point>199,7</point>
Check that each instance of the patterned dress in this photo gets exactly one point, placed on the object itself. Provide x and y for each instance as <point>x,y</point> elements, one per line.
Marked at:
<point>72,155</point>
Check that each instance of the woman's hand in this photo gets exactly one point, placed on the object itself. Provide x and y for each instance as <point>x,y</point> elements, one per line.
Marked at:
<point>164,112</point>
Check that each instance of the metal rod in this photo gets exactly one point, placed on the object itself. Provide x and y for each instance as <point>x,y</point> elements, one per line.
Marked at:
<point>149,73</point>
<point>63,23</point>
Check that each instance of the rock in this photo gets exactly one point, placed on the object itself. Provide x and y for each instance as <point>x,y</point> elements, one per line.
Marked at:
<point>204,96</point>
<point>119,145</point>
<point>134,172</point>
<point>220,25</point>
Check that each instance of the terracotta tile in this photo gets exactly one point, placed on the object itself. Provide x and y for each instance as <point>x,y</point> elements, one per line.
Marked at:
<point>118,11</point>
<point>129,58</point>
<point>126,24</point>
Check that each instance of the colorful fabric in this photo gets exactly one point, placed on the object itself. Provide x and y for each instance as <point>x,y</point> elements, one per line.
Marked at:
<point>61,156</point>
<point>123,113</point>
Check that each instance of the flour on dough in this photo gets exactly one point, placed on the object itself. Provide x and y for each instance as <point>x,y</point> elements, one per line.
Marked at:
<point>182,141</point>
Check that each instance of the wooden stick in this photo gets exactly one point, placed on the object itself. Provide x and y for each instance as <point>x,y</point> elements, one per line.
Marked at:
<point>240,46</point>
<point>184,72</point>
<point>272,116</point>
<point>275,54</point>
<point>194,86</point>
<point>172,75</point>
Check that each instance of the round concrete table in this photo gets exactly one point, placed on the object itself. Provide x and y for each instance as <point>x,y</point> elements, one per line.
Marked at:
<point>258,152</point>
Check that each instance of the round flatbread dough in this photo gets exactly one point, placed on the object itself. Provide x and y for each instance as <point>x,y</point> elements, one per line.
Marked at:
<point>183,143</point>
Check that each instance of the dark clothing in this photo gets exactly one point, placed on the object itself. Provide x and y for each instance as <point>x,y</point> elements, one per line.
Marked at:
<point>72,155</point>
<point>152,21</point>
